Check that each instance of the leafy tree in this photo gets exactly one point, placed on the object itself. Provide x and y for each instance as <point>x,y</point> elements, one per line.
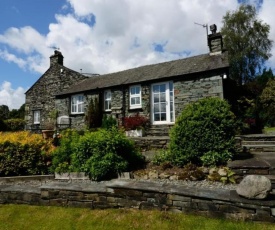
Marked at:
<point>268,103</point>
<point>4,112</point>
<point>17,113</point>
<point>246,39</point>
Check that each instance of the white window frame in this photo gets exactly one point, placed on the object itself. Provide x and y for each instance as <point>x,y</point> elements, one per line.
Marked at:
<point>108,100</point>
<point>136,95</point>
<point>77,104</point>
<point>36,117</point>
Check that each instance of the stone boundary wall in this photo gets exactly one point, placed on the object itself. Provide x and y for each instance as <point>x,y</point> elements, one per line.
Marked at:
<point>144,196</point>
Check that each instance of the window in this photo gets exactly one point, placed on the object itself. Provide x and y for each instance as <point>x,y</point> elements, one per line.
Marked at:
<point>77,104</point>
<point>36,117</point>
<point>107,100</point>
<point>135,97</point>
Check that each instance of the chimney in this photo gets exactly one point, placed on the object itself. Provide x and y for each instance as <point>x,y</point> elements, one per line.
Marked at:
<point>56,58</point>
<point>215,42</point>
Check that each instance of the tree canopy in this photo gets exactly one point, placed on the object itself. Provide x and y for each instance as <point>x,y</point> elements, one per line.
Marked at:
<point>267,99</point>
<point>246,39</point>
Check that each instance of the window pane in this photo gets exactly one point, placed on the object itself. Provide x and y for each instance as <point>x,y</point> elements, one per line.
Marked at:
<point>162,88</point>
<point>138,100</point>
<point>80,108</point>
<point>162,97</point>
<point>133,90</point>
<point>163,107</point>
<point>156,88</point>
<point>133,101</point>
<point>163,116</point>
<point>156,98</point>
<point>137,90</point>
<point>156,108</point>
<point>156,117</point>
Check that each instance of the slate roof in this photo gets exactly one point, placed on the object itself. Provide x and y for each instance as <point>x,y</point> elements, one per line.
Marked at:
<point>181,67</point>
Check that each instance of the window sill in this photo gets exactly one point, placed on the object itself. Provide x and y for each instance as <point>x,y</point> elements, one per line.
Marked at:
<point>75,114</point>
<point>136,107</point>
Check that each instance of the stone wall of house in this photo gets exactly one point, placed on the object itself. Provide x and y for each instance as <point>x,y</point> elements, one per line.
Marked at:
<point>42,94</point>
<point>186,91</point>
<point>63,106</point>
<point>143,196</point>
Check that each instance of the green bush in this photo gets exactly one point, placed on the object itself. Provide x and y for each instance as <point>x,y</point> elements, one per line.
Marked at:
<point>101,154</point>
<point>93,115</point>
<point>204,127</point>
<point>23,153</point>
<point>15,124</point>
<point>61,161</point>
<point>161,157</point>
<point>108,122</point>
<point>3,126</point>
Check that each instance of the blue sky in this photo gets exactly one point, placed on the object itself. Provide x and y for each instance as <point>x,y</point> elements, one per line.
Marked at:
<point>102,36</point>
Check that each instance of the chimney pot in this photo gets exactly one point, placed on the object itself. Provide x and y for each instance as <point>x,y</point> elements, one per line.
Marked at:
<point>215,42</point>
<point>56,58</point>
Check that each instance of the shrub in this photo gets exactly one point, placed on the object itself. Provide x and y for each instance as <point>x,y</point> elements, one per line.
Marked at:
<point>61,161</point>
<point>93,116</point>
<point>135,122</point>
<point>23,153</point>
<point>15,124</point>
<point>161,157</point>
<point>204,127</point>
<point>101,154</point>
<point>108,122</point>
<point>3,126</point>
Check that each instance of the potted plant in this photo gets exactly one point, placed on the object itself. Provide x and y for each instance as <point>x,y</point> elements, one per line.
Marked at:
<point>135,125</point>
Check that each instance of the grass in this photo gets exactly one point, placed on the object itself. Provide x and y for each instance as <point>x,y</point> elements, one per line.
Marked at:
<point>272,129</point>
<point>38,218</point>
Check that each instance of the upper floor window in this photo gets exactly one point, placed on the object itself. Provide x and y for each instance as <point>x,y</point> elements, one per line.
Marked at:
<point>107,100</point>
<point>36,117</point>
<point>77,104</point>
<point>135,97</point>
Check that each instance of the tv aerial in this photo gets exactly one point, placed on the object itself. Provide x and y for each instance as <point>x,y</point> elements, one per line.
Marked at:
<point>204,26</point>
<point>54,47</point>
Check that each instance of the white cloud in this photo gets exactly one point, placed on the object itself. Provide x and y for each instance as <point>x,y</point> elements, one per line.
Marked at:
<point>12,58</point>
<point>13,98</point>
<point>124,33</point>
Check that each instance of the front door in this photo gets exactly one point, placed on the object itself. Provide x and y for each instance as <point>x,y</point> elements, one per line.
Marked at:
<point>162,103</point>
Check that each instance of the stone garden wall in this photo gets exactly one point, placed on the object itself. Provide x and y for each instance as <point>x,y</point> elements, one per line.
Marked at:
<point>143,195</point>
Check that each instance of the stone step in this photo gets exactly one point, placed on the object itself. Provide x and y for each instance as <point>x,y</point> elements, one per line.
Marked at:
<point>262,142</point>
<point>263,148</point>
<point>158,130</point>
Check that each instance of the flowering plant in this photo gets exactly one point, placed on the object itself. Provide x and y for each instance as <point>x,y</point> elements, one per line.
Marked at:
<point>135,122</point>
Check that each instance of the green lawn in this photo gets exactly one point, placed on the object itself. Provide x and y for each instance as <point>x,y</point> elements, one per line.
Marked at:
<point>37,217</point>
<point>269,130</point>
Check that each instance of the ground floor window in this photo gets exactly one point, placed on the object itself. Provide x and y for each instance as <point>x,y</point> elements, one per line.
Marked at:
<point>77,104</point>
<point>107,100</point>
<point>135,97</point>
<point>36,117</point>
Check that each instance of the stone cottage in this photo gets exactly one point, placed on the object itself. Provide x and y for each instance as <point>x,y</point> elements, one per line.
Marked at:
<point>159,91</point>
<point>40,98</point>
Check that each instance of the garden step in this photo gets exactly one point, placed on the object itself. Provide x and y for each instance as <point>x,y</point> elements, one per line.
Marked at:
<point>262,143</point>
<point>259,142</point>
<point>158,130</point>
